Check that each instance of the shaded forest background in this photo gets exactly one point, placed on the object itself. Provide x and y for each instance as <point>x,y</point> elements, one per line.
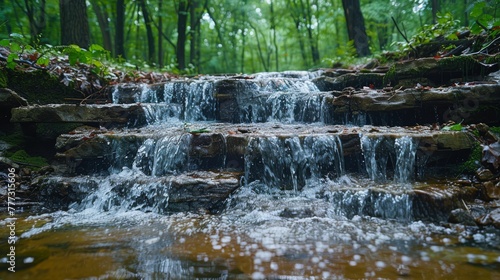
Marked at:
<point>239,36</point>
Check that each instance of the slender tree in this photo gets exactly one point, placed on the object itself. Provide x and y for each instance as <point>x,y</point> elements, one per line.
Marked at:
<point>102,18</point>
<point>356,26</point>
<point>120,29</point>
<point>35,12</point>
<point>182,18</point>
<point>149,30</point>
<point>74,23</point>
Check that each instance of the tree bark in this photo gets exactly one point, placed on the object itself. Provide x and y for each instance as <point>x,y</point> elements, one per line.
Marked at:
<point>149,31</point>
<point>74,23</point>
<point>160,38</point>
<point>356,26</point>
<point>182,17</point>
<point>120,29</point>
<point>102,19</point>
<point>435,10</point>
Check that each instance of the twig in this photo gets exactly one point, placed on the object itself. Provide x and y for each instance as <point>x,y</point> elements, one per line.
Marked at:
<point>22,61</point>
<point>406,39</point>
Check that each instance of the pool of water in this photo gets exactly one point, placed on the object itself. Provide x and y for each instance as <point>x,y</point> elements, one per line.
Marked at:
<point>259,235</point>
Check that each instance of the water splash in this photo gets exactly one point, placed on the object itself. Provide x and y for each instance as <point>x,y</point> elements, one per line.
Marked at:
<point>200,102</point>
<point>293,163</point>
<point>376,156</point>
<point>167,155</point>
<point>406,149</point>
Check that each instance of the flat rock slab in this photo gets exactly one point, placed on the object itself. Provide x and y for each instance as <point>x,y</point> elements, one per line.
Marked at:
<point>68,113</point>
<point>226,145</point>
<point>193,192</point>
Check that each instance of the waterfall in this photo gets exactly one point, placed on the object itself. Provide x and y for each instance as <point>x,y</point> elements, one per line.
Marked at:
<point>200,102</point>
<point>376,155</point>
<point>125,191</point>
<point>406,149</point>
<point>293,163</point>
<point>167,155</point>
<point>350,202</point>
<point>377,151</point>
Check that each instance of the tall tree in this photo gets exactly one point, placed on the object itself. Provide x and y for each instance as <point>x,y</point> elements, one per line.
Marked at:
<point>102,18</point>
<point>182,18</point>
<point>120,29</point>
<point>149,30</point>
<point>356,26</point>
<point>35,11</point>
<point>74,23</point>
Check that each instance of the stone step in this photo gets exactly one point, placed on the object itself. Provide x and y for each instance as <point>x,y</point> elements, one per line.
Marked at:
<point>188,192</point>
<point>170,150</point>
<point>255,101</point>
<point>203,191</point>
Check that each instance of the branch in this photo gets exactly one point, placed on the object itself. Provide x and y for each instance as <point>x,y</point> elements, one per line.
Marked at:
<point>22,61</point>
<point>406,39</point>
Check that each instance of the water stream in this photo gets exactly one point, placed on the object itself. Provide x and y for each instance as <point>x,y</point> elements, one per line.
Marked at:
<point>304,207</point>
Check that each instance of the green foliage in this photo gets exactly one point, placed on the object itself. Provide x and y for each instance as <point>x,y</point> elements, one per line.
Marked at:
<point>482,12</point>
<point>455,127</point>
<point>22,157</point>
<point>446,27</point>
<point>473,162</point>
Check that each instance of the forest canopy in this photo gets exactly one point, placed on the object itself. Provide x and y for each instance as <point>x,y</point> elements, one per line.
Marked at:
<point>241,36</point>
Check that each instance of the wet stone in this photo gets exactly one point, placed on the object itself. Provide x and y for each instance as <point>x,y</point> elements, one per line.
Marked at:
<point>461,216</point>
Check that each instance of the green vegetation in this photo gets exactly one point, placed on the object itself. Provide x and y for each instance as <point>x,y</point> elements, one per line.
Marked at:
<point>21,157</point>
<point>229,36</point>
<point>473,163</point>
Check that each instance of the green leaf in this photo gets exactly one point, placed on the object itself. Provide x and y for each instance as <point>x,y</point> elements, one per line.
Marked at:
<point>11,64</point>
<point>455,127</point>
<point>43,61</point>
<point>16,36</point>
<point>5,42</point>
<point>478,9</point>
<point>14,47</point>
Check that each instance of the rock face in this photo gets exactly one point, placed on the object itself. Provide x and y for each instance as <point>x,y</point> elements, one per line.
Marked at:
<point>196,191</point>
<point>8,100</point>
<point>127,114</point>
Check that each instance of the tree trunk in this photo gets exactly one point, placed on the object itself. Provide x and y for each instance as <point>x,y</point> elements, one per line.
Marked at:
<point>273,28</point>
<point>182,17</point>
<point>120,29</point>
<point>435,10</point>
<point>35,11</point>
<point>149,31</point>
<point>102,19</point>
<point>356,26</point>
<point>160,38</point>
<point>74,23</point>
<point>195,31</point>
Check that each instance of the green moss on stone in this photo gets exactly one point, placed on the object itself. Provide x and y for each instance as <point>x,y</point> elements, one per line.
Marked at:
<point>22,157</point>
<point>3,78</point>
<point>39,87</point>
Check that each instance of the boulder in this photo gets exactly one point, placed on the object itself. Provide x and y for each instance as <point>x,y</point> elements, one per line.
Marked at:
<point>10,99</point>
<point>119,114</point>
<point>460,216</point>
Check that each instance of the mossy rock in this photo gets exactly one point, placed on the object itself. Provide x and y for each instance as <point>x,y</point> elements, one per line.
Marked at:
<point>23,158</point>
<point>39,87</point>
<point>3,78</point>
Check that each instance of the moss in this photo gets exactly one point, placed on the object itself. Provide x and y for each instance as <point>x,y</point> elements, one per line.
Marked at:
<point>39,87</point>
<point>14,139</point>
<point>495,130</point>
<point>471,165</point>
<point>390,76</point>
<point>3,78</point>
<point>22,157</point>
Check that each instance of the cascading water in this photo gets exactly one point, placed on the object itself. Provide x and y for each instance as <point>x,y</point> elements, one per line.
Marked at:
<point>376,154</point>
<point>294,204</point>
<point>406,148</point>
<point>293,163</point>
